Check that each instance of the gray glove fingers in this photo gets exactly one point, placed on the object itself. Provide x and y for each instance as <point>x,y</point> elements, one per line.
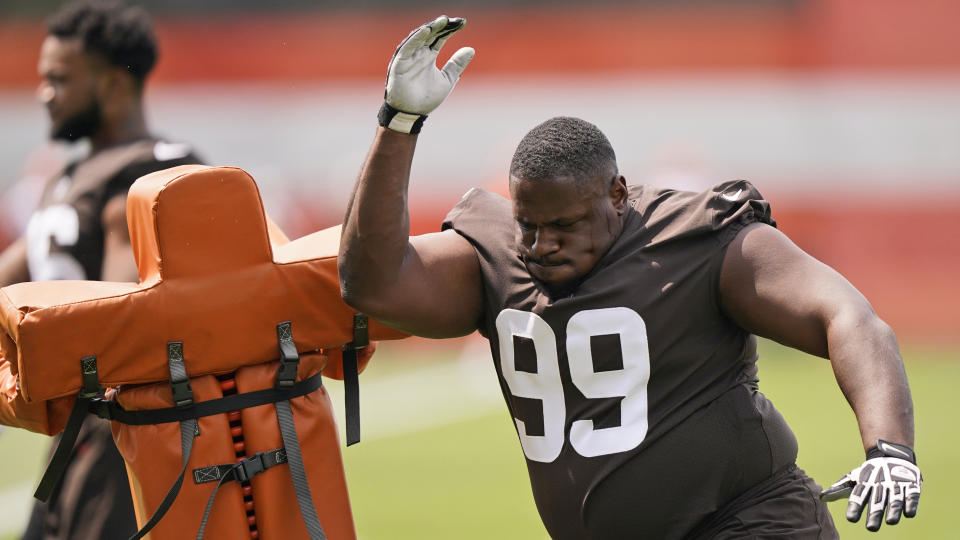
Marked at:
<point>420,36</point>
<point>908,478</point>
<point>414,41</point>
<point>894,505</point>
<point>444,33</point>
<point>856,504</point>
<point>878,502</point>
<point>860,496</point>
<point>407,49</point>
<point>405,41</point>
<point>457,63</point>
<point>912,496</point>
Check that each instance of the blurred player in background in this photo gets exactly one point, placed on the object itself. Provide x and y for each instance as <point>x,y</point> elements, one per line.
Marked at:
<point>621,323</point>
<point>93,66</point>
<point>20,197</point>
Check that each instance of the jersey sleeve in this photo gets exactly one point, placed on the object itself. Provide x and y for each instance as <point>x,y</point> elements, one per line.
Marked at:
<point>483,218</point>
<point>486,220</point>
<point>476,208</point>
<point>120,183</point>
<point>720,211</point>
<point>739,201</point>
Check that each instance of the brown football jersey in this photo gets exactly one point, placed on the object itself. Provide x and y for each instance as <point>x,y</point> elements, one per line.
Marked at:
<point>634,396</point>
<point>65,235</point>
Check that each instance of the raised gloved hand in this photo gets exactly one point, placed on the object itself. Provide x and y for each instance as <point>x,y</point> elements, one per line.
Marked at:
<point>888,480</point>
<point>415,87</point>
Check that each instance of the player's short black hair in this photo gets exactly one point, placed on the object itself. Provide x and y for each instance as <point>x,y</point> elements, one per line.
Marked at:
<point>564,146</point>
<point>121,34</point>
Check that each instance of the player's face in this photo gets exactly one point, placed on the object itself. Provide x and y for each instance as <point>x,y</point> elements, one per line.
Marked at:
<point>69,79</point>
<point>564,228</point>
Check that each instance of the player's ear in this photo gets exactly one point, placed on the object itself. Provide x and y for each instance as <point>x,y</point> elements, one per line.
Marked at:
<point>618,194</point>
<point>114,82</point>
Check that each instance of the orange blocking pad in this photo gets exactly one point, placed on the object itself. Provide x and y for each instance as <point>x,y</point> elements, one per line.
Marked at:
<point>214,274</point>
<point>217,275</point>
<point>47,417</point>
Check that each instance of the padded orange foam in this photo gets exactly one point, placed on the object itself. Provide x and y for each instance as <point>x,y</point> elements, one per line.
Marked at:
<point>215,273</point>
<point>153,458</point>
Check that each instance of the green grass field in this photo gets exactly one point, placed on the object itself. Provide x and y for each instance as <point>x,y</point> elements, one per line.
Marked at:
<point>439,458</point>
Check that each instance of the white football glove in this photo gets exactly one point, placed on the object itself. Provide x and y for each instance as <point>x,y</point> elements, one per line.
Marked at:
<point>891,481</point>
<point>415,87</point>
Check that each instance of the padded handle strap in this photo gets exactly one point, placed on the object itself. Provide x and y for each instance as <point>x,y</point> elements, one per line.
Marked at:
<point>241,471</point>
<point>61,456</point>
<point>188,430</point>
<point>183,398</point>
<point>297,473</point>
<point>351,376</point>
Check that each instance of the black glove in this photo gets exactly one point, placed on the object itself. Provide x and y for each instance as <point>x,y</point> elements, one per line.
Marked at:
<point>889,479</point>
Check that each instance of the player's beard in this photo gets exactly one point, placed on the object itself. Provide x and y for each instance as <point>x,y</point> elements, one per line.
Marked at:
<point>82,124</point>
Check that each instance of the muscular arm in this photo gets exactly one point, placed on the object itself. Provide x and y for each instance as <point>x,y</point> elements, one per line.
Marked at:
<point>13,263</point>
<point>427,285</point>
<point>774,289</point>
<point>118,261</point>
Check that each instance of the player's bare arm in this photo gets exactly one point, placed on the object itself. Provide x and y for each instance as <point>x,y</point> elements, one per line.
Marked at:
<point>419,285</point>
<point>13,263</point>
<point>428,285</point>
<point>774,289</point>
<point>118,261</point>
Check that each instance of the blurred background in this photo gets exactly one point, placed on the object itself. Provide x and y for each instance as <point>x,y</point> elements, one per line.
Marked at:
<point>844,113</point>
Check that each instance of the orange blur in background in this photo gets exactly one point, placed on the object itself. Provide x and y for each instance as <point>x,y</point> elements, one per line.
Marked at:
<point>899,245</point>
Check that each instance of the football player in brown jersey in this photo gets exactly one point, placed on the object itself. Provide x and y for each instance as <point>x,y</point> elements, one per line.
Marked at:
<point>93,65</point>
<point>621,322</point>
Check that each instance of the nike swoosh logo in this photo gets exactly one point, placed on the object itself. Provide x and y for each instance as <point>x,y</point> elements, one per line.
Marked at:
<point>887,449</point>
<point>734,197</point>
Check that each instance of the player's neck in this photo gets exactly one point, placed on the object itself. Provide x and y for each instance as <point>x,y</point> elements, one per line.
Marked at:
<point>122,129</point>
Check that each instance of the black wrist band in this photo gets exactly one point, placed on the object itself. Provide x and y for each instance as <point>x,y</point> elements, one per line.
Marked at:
<point>398,120</point>
<point>889,449</point>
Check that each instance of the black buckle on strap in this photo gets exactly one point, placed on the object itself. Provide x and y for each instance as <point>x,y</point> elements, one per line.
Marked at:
<point>88,374</point>
<point>361,335</point>
<point>179,382</point>
<point>251,467</point>
<point>243,470</point>
<point>289,358</point>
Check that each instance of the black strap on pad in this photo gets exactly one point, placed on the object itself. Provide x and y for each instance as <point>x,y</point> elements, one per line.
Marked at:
<point>183,398</point>
<point>286,377</point>
<point>351,376</point>
<point>241,471</point>
<point>61,456</point>
<point>110,410</point>
<point>188,431</point>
